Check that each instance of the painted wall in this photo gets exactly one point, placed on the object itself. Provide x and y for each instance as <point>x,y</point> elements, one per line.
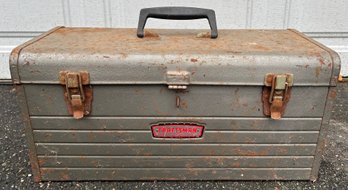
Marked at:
<point>324,20</point>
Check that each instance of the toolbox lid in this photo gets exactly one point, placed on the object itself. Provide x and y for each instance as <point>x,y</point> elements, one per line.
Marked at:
<point>118,56</point>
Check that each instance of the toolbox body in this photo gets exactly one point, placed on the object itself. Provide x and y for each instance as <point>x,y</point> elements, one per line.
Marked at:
<point>103,104</point>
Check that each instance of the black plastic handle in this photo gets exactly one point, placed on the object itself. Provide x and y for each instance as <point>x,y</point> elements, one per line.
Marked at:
<point>177,13</point>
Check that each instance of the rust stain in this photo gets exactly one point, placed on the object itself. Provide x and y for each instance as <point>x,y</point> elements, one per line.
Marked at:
<point>34,166</point>
<point>321,61</point>
<point>65,176</point>
<point>180,41</point>
<point>260,152</point>
<point>28,61</point>
<point>164,178</point>
<point>236,165</point>
<point>41,161</point>
<point>151,34</point>
<point>189,165</point>
<point>332,94</point>
<point>194,60</point>
<point>95,163</point>
<point>123,55</point>
<point>317,71</point>
<point>261,47</point>
<point>183,104</point>
<point>235,104</point>
<point>220,161</point>
<point>147,154</point>
<point>46,171</point>
<point>303,66</point>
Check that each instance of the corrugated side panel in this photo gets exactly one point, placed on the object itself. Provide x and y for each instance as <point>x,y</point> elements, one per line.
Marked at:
<point>122,148</point>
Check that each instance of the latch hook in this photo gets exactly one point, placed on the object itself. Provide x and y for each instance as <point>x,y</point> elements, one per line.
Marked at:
<point>78,93</point>
<point>276,94</point>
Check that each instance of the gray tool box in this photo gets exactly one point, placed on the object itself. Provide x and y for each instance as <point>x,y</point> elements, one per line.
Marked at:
<point>122,104</point>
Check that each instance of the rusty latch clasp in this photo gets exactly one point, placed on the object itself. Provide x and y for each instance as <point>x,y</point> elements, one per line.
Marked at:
<point>78,93</point>
<point>276,94</point>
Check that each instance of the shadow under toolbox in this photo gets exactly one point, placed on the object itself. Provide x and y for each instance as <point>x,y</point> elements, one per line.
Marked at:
<point>106,104</point>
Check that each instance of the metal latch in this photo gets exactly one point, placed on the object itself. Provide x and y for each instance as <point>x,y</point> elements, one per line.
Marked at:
<point>77,92</point>
<point>178,79</point>
<point>276,94</point>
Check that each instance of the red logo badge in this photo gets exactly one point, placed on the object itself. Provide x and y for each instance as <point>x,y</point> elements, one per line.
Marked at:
<point>177,130</point>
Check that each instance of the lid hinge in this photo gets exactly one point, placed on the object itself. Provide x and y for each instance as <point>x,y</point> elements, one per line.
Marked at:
<point>276,94</point>
<point>77,92</point>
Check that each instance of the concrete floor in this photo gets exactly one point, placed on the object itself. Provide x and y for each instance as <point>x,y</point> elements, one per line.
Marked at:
<point>16,173</point>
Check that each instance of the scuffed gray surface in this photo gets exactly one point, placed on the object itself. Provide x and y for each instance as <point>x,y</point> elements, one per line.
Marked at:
<point>16,173</point>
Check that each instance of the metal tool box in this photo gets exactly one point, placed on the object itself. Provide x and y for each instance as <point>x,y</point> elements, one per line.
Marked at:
<point>122,104</point>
